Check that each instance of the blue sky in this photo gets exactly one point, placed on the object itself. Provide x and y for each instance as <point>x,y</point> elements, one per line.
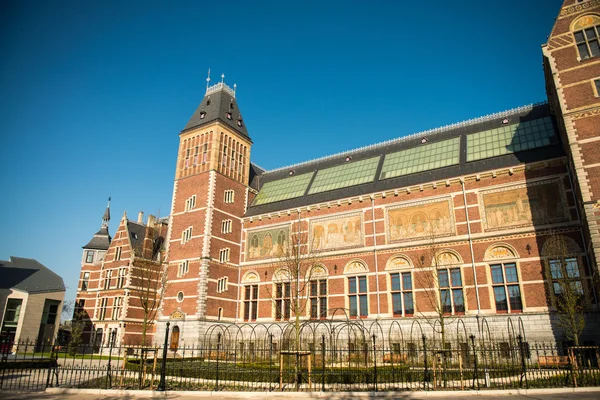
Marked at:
<point>94,94</point>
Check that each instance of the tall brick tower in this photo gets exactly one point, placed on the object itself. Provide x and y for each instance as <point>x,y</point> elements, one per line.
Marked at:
<point>209,198</point>
<point>572,70</point>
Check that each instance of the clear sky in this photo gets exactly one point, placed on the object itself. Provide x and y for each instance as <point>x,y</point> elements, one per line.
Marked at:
<point>94,93</point>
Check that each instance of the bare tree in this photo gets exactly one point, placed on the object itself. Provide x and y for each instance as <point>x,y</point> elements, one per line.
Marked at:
<point>293,275</point>
<point>567,285</point>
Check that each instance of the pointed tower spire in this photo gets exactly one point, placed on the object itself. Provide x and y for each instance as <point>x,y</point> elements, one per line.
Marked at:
<point>106,216</point>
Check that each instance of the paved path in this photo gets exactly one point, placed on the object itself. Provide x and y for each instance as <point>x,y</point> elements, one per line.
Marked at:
<point>544,394</point>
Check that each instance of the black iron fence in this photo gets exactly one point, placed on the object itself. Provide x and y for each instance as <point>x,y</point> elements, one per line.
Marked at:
<point>264,361</point>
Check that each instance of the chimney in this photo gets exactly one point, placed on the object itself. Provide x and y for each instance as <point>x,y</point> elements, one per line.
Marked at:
<point>151,220</point>
<point>140,217</point>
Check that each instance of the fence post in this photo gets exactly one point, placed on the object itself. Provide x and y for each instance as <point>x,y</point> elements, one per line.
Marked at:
<point>475,378</point>
<point>375,362</point>
<point>110,349</point>
<point>323,362</point>
<point>163,368</point>
<point>52,365</point>
<point>426,370</point>
<point>217,368</point>
<point>523,364</point>
<point>270,362</point>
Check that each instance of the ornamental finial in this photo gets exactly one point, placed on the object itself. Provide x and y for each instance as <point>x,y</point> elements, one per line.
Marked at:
<point>208,79</point>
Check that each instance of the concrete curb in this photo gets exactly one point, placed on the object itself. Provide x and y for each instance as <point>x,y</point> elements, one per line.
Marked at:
<point>316,395</point>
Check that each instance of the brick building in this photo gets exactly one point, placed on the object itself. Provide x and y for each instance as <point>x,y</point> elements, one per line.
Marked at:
<point>120,283</point>
<point>479,206</point>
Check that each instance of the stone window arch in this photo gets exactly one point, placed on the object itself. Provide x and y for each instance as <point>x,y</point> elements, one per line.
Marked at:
<point>586,32</point>
<point>500,251</point>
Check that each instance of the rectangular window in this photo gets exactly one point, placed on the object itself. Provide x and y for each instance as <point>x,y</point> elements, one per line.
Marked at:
<point>567,283</point>
<point>103,303</point>
<point>186,235</point>
<point>116,312</point>
<point>318,298</point>
<point>451,290</point>
<point>107,279</point>
<point>229,194</point>
<point>190,203</point>
<point>205,153</point>
<point>250,302</point>
<point>283,302</point>
<point>196,155</point>
<point>184,268</point>
<point>121,277</point>
<point>587,42</point>
<point>118,253</point>
<point>222,285</point>
<point>85,281</point>
<point>89,256</point>
<point>402,296</point>
<point>226,226</point>
<point>596,87</point>
<point>505,283</point>
<point>224,255</point>
<point>357,296</point>
<point>13,310</point>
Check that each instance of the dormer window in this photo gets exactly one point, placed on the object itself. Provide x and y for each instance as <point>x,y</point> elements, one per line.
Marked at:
<point>202,115</point>
<point>228,115</point>
<point>239,123</point>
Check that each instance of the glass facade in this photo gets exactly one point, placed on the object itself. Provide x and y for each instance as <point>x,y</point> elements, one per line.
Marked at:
<point>510,139</point>
<point>341,176</point>
<point>422,158</point>
<point>283,189</point>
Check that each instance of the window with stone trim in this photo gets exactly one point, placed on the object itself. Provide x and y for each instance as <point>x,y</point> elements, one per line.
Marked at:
<point>318,298</point>
<point>224,255</point>
<point>596,87</point>
<point>357,296</point>
<point>505,284</point>
<point>222,284</point>
<point>451,290</point>
<point>121,277</point>
<point>103,304</point>
<point>186,235</point>
<point>250,302</point>
<point>283,301</point>
<point>229,196</point>
<point>402,294</point>
<point>85,281</point>
<point>107,279</point>
<point>89,256</point>
<point>226,226</point>
<point>587,41</point>
<point>190,203</point>
<point>566,277</point>
<point>116,312</point>
<point>118,251</point>
<point>183,268</point>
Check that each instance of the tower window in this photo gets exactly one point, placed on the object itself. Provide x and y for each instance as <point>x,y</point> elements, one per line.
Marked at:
<point>229,195</point>
<point>190,203</point>
<point>180,297</point>
<point>89,256</point>
<point>507,293</point>
<point>587,42</point>
<point>118,253</point>
<point>224,255</point>
<point>226,226</point>
<point>186,235</point>
<point>184,268</point>
<point>85,281</point>
<point>222,284</point>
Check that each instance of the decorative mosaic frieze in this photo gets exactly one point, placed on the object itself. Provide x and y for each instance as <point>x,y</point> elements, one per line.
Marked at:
<point>418,220</point>
<point>336,232</point>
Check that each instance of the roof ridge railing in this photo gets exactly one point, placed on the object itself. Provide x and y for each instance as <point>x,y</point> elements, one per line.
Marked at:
<point>220,86</point>
<point>414,135</point>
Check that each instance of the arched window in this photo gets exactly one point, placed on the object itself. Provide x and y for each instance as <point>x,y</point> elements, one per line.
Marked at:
<point>586,31</point>
<point>505,278</point>
<point>450,282</point>
<point>358,289</point>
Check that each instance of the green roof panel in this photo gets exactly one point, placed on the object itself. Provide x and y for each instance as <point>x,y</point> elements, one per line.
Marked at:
<point>345,175</point>
<point>510,139</point>
<point>283,189</point>
<point>422,158</point>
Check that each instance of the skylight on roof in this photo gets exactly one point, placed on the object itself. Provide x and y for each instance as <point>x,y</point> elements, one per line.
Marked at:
<point>511,139</point>
<point>283,189</point>
<point>422,158</point>
<point>349,174</point>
